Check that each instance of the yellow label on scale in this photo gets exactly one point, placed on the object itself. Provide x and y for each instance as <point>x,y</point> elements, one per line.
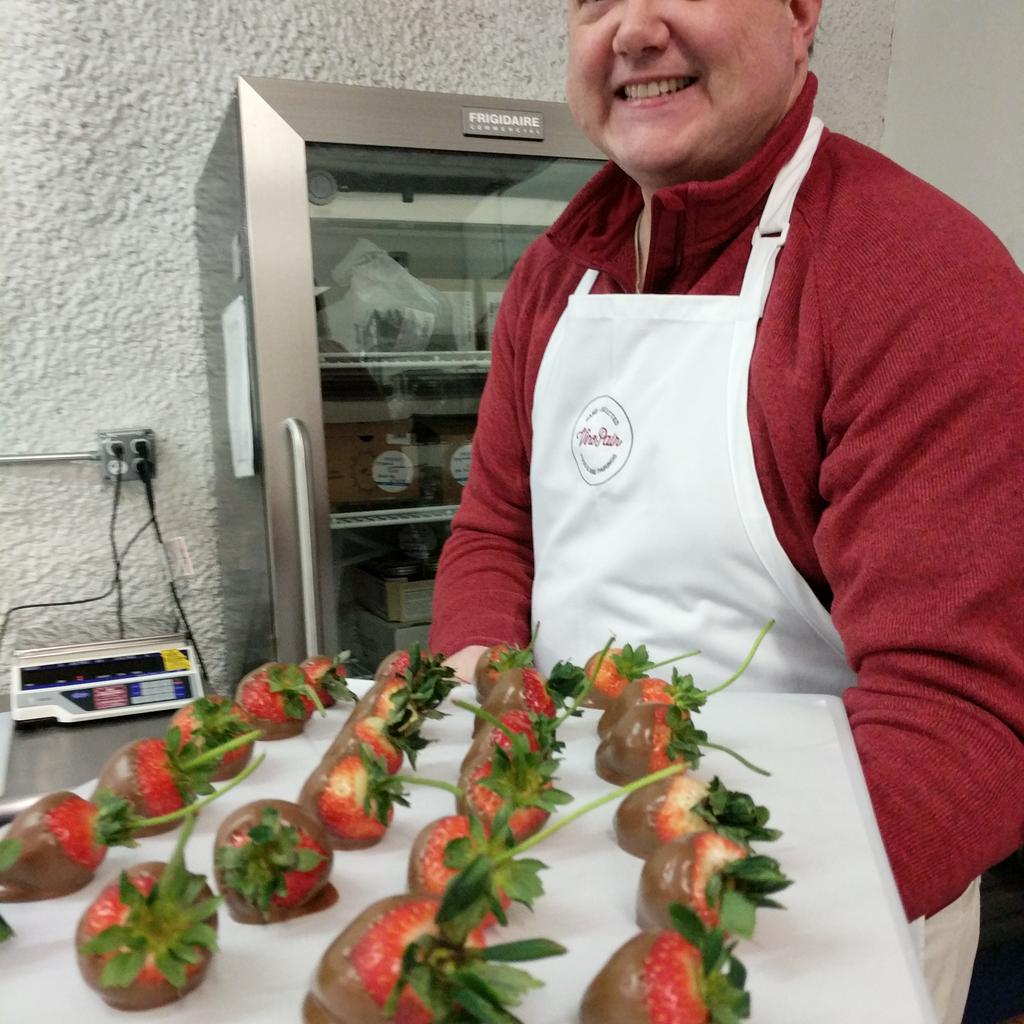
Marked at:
<point>174,660</point>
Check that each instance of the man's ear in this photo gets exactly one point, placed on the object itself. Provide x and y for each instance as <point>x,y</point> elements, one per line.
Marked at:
<point>805,15</point>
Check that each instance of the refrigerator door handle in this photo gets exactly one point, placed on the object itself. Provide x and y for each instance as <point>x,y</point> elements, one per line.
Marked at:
<point>298,439</point>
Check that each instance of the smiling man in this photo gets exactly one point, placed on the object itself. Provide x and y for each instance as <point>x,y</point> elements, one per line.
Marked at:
<point>757,370</point>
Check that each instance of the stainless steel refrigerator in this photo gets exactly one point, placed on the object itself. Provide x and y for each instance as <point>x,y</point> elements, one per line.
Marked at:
<point>354,244</point>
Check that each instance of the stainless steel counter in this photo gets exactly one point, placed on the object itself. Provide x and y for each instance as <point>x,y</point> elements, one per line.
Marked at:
<point>46,756</point>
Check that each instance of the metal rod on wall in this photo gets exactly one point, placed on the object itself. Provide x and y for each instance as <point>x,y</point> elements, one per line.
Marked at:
<point>11,460</point>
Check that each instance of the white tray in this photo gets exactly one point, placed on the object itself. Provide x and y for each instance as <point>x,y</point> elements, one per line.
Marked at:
<point>841,953</point>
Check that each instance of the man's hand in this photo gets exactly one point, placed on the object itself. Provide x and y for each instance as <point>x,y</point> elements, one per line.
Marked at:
<point>463,663</point>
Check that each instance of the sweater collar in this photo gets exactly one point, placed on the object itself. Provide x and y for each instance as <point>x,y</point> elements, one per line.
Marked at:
<point>688,220</point>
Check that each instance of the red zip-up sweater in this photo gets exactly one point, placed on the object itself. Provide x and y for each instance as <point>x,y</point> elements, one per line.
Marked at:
<point>886,408</point>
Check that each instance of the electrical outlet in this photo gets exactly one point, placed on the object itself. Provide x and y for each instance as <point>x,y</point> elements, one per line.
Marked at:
<point>120,451</point>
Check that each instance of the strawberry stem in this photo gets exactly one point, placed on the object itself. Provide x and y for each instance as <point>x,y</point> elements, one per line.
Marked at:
<point>732,753</point>
<point>663,773</point>
<point>746,661</point>
<point>218,752</point>
<point>177,861</point>
<point>581,696</point>
<point>312,694</point>
<point>486,716</point>
<point>678,657</point>
<point>195,808</point>
<point>435,783</point>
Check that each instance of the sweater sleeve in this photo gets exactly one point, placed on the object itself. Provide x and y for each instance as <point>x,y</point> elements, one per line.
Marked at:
<point>484,580</point>
<point>921,539</point>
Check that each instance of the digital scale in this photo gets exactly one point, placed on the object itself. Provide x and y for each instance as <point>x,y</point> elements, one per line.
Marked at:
<point>86,681</point>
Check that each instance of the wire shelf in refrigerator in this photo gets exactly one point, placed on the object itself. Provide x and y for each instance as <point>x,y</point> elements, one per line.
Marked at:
<point>452,361</point>
<point>392,517</point>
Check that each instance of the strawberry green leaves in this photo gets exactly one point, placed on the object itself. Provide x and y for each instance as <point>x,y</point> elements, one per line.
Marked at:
<point>427,682</point>
<point>167,926</point>
<point>256,869</point>
<point>333,680</point>
<point>741,887</point>
<point>487,871</point>
<point>10,851</point>
<point>290,682</point>
<point>735,815</point>
<point>723,976</point>
<point>460,982</point>
<point>567,685</point>
<point>216,722</point>
<point>383,790</point>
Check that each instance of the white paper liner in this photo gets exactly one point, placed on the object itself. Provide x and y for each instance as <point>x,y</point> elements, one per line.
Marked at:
<point>840,954</point>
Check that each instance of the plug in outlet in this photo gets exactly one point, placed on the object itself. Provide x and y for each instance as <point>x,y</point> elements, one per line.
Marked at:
<point>121,450</point>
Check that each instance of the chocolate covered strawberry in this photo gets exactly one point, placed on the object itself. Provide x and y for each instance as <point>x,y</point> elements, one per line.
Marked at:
<point>511,766</point>
<point>638,743</point>
<point>353,798</point>
<point>443,847</point>
<point>647,736</point>
<point>611,670</point>
<point>495,660</point>
<point>356,975</point>
<point>716,877</point>
<point>646,690</point>
<point>658,814</point>
<point>272,861</point>
<point>680,805</point>
<point>497,732</point>
<point>327,678</point>
<point>159,776</point>
<point>210,721</point>
<point>279,700</point>
<point>404,699</point>
<point>57,849</point>
<point>519,689</point>
<point>147,940</point>
<point>374,733</point>
<point>684,975</point>
<point>60,841</point>
<point>392,665</point>
<point>417,959</point>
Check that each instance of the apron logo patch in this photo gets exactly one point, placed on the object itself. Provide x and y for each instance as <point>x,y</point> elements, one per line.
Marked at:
<point>602,440</point>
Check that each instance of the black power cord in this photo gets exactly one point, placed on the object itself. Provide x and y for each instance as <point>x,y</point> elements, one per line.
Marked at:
<point>145,470</point>
<point>115,583</point>
<point>117,450</point>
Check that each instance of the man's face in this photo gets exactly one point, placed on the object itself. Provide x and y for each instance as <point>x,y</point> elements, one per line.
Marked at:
<point>680,90</point>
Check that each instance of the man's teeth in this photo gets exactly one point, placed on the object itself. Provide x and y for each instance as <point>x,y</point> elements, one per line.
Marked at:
<point>644,90</point>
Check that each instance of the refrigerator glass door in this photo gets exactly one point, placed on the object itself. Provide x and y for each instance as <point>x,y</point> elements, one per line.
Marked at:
<point>412,250</point>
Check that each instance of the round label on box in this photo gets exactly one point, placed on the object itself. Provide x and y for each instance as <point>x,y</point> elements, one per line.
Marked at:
<point>459,464</point>
<point>392,471</point>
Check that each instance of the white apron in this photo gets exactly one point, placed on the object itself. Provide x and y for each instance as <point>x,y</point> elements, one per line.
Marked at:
<point>648,517</point>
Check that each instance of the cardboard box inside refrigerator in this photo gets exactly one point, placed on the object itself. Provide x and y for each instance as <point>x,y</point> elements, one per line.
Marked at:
<point>371,463</point>
<point>378,638</point>
<point>446,448</point>
<point>394,600</point>
<point>456,327</point>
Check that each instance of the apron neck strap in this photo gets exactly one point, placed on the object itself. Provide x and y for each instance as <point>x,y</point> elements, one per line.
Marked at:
<point>773,229</point>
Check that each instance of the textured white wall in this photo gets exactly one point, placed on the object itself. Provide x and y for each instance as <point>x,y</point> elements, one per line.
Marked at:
<point>109,110</point>
<point>955,106</point>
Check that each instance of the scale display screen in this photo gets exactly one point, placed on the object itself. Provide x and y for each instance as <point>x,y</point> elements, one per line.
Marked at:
<point>41,677</point>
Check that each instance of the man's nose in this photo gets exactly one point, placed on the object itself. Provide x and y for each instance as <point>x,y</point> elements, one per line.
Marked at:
<point>641,28</point>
